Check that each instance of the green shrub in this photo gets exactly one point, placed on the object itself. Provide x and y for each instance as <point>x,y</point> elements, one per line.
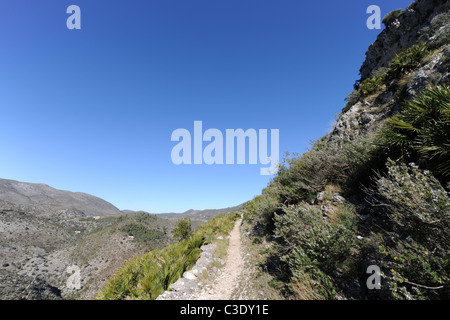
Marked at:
<point>436,33</point>
<point>308,244</point>
<point>371,85</point>
<point>340,161</point>
<point>141,232</point>
<point>417,250</point>
<point>416,200</point>
<point>260,211</point>
<point>408,60</point>
<point>365,88</point>
<point>307,240</point>
<point>183,230</point>
<point>351,100</point>
<point>149,275</point>
<point>415,272</point>
<point>423,127</point>
<point>391,17</point>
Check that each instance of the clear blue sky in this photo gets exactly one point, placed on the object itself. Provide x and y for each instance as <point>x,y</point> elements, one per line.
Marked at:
<point>92,110</point>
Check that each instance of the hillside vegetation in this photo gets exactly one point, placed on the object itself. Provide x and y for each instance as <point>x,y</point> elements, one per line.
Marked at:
<point>149,275</point>
<point>374,191</point>
<point>45,232</point>
<point>38,245</point>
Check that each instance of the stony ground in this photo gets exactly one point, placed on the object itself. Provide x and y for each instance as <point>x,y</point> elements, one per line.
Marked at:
<point>226,282</point>
<point>211,278</point>
<point>38,246</point>
<point>235,277</point>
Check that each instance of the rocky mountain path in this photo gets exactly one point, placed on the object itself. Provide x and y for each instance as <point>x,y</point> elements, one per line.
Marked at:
<point>208,281</point>
<point>227,280</point>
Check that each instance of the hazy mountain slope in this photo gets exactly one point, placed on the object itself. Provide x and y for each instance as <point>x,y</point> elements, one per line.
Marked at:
<point>43,231</point>
<point>29,194</point>
<point>36,250</point>
<point>202,215</point>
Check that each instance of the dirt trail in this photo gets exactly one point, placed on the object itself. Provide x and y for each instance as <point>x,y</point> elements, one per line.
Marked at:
<point>227,280</point>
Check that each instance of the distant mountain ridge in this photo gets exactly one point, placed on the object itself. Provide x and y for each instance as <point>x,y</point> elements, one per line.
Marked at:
<point>200,214</point>
<point>37,194</point>
<point>45,230</point>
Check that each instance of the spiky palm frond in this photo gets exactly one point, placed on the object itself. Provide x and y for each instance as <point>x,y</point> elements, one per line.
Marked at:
<point>424,125</point>
<point>407,60</point>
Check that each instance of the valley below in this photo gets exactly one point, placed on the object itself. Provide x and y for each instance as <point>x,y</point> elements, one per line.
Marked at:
<point>42,242</point>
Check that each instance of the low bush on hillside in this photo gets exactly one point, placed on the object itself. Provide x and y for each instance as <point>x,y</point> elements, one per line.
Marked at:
<point>371,85</point>
<point>407,60</point>
<point>340,161</point>
<point>416,200</point>
<point>404,62</point>
<point>403,210</point>
<point>416,250</point>
<point>312,247</point>
<point>391,17</point>
<point>183,230</point>
<point>422,130</point>
<point>149,275</point>
<point>436,32</point>
<point>260,211</point>
<point>141,233</point>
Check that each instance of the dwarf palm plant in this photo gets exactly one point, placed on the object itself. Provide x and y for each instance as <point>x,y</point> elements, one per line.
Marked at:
<point>407,60</point>
<point>423,126</point>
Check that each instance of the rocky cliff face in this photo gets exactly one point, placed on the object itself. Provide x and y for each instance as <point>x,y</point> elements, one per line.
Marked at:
<point>424,21</point>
